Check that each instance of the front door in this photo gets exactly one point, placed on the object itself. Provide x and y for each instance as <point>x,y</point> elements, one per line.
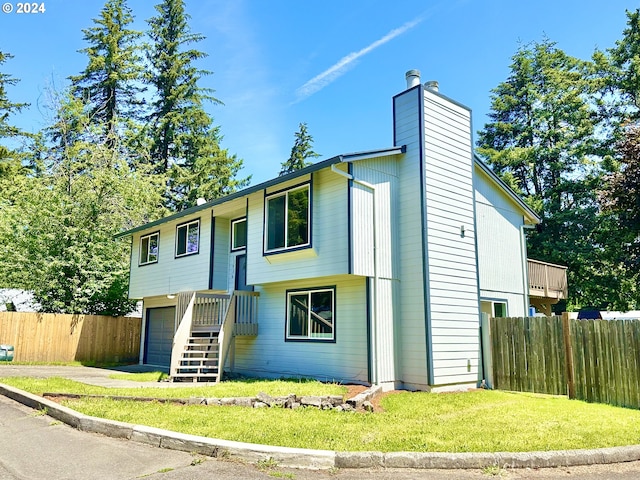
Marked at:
<point>241,274</point>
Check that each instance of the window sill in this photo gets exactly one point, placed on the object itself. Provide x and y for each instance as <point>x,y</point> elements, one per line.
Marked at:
<point>290,255</point>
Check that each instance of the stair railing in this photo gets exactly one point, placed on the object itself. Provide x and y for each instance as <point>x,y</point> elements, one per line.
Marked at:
<point>181,336</point>
<point>226,335</point>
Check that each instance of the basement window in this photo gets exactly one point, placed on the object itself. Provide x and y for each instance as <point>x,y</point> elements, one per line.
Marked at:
<point>311,315</point>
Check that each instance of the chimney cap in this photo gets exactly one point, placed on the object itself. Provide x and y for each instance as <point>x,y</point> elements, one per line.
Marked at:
<point>413,78</point>
<point>432,85</point>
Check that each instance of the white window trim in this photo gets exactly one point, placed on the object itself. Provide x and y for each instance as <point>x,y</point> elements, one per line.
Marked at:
<point>285,193</point>
<point>142,237</point>
<point>186,226</point>
<point>309,337</point>
<point>233,223</point>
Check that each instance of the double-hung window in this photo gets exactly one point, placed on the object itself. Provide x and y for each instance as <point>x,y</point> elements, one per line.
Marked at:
<point>188,238</point>
<point>311,314</point>
<point>287,220</point>
<point>149,248</point>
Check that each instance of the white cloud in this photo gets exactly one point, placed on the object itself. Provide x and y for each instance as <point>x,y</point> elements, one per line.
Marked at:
<point>320,81</point>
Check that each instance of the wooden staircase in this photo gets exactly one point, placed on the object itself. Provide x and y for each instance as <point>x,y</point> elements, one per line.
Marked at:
<point>202,340</point>
<point>200,359</point>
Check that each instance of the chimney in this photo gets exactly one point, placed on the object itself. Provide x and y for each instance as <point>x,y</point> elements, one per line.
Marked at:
<point>431,85</point>
<point>413,78</point>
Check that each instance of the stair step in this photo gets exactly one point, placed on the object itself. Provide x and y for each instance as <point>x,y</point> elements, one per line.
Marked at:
<point>193,363</point>
<point>199,354</point>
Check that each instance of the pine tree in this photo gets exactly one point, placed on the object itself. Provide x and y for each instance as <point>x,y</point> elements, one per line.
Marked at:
<point>184,142</point>
<point>542,138</point>
<point>302,150</point>
<point>625,60</point>
<point>11,168</point>
<point>109,86</point>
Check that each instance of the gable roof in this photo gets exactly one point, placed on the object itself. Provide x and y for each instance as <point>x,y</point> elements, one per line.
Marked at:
<point>348,157</point>
<point>530,215</point>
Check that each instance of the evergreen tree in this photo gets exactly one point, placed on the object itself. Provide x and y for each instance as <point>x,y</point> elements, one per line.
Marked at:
<point>110,84</point>
<point>185,143</point>
<point>8,132</point>
<point>302,150</point>
<point>542,139</point>
<point>625,63</point>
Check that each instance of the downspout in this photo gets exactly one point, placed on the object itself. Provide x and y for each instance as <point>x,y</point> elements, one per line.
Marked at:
<point>374,313</point>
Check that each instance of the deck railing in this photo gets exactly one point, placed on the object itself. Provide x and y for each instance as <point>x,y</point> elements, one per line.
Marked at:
<point>547,280</point>
<point>210,309</point>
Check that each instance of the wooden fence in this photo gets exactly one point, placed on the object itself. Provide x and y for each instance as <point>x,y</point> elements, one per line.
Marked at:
<point>46,337</point>
<point>591,360</point>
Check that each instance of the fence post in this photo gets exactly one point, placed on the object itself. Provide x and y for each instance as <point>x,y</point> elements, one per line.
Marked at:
<point>486,349</point>
<point>568,354</point>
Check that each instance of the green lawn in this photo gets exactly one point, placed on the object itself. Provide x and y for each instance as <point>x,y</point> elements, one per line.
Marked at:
<point>477,421</point>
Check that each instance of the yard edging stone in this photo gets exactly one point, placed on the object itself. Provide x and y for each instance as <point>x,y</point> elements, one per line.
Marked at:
<point>318,459</point>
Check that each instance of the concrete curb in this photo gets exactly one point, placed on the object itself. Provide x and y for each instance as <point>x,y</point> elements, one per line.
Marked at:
<point>318,459</point>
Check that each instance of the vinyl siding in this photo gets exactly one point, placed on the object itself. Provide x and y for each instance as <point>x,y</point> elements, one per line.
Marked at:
<point>221,247</point>
<point>268,355</point>
<point>449,203</point>
<point>170,274</point>
<point>498,221</point>
<point>410,326</point>
<point>382,174</point>
<point>328,254</point>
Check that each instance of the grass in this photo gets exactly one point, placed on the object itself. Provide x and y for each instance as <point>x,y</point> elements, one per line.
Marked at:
<point>232,388</point>
<point>478,421</point>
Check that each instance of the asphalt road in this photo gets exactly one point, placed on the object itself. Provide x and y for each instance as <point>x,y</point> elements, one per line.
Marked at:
<point>34,446</point>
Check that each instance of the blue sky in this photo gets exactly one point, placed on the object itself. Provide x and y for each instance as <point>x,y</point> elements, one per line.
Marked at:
<point>333,64</point>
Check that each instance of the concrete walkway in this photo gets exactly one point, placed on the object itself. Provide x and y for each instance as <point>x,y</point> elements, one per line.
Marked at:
<point>290,457</point>
<point>89,375</point>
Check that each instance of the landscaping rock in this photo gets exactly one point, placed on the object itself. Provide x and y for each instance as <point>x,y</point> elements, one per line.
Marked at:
<point>227,401</point>
<point>311,401</point>
<point>367,406</point>
<point>326,405</point>
<point>260,405</point>
<point>197,401</point>
<point>289,401</point>
<point>264,398</point>
<point>245,402</point>
<point>213,401</point>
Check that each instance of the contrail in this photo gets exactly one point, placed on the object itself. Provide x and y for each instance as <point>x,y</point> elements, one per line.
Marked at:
<point>332,73</point>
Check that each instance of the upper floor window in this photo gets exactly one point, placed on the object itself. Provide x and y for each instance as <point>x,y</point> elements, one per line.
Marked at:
<point>238,234</point>
<point>287,219</point>
<point>188,238</point>
<point>149,248</point>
